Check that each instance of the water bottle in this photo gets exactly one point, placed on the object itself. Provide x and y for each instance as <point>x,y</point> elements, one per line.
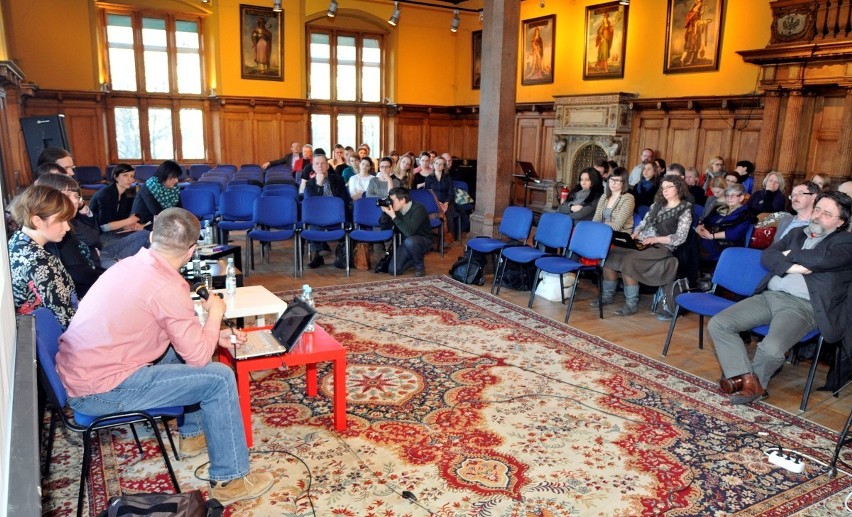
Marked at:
<point>208,233</point>
<point>196,262</point>
<point>230,277</point>
<point>308,298</point>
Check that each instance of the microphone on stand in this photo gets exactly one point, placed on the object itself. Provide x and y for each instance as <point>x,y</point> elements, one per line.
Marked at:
<point>203,293</point>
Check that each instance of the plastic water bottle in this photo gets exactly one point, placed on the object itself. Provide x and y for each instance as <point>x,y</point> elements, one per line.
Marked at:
<point>308,298</point>
<point>230,277</point>
<point>196,262</point>
<point>208,233</point>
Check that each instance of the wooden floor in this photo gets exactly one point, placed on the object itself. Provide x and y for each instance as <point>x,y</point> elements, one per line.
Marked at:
<point>642,332</point>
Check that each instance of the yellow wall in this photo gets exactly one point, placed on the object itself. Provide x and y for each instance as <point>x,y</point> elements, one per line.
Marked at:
<point>429,64</point>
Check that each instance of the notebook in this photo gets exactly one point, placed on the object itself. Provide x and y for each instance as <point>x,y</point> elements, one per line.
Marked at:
<point>625,240</point>
<point>283,336</point>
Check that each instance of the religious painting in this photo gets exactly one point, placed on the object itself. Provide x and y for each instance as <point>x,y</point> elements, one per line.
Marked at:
<point>693,35</point>
<point>476,70</point>
<point>606,41</point>
<point>261,55</point>
<point>538,50</point>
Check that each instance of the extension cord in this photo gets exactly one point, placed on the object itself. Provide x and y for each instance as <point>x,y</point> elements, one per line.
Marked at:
<point>787,461</point>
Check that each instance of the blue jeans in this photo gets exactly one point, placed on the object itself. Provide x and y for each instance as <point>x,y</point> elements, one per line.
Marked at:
<point>117,248</point>
<point>210,392</point>
<point>412,251</point>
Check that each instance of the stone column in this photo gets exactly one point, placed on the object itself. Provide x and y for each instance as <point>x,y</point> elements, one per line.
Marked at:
<point>768,132</point>
<point>495,151</point>
<point>790,135</point>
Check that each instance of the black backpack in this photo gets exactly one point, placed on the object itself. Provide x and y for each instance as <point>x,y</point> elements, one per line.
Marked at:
<point>475,274</point>
<point>518,276</point>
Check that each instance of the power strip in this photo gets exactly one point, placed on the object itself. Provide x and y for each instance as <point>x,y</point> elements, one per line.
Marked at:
<point>790,462</point>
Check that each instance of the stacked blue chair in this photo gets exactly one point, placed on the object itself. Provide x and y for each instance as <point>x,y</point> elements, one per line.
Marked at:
<point>739,271</point>
<point>515,225</point>
<point>197,170</point>
<point>274,220</point>
<point>89,177</point>
<point>365,218</point>
<point>48,331</point>
<point>591,240</point>
<point>222,183</point>
<point>249,166</point>
<point>425,198</point>
<point>226,167</point>
<point>323,220</point>
<point>236,210</point>
<point>143,172</point>
<point>244,186</point>
<point>284,168</point>
<point>553,231</point>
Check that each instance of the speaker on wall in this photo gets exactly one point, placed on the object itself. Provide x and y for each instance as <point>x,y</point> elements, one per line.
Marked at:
<point>41,132</point>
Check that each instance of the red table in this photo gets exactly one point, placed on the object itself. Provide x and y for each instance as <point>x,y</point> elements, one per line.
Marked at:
<point>315,347</point>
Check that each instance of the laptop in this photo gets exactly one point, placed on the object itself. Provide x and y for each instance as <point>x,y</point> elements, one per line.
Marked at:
<point>283,336</point>
<point>625,240</point>
<point>529,171</point>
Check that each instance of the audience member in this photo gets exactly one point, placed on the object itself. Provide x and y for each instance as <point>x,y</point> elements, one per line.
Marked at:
<point>660,167</point>
<point>646,157</point>
<point>322,184</point>
<point>646,190</point>
<point>717,194</point>
<point>422,171</point>
<point>338,157</point>
<point>352,170</point>
<point>664,228</point>
<point>440,184</point>
<point>359,183</point>
<point>292,159</point>
<point>305,166</point>
<point>822,181</point>
<point>48,168</point>
<point>725,226</point>
<point>57,155</point>
<point>845,187</point>
<point>112,205</point>
<point>137,344</point>
<point>159,192</point>
<point>615,207</point>
<point>745,171</point>
<point>715,169</point>
<point>404,172</point>
<point>583,198</point>
<point>802,201</point>
<point>412,221</point>
<point>384,181</point>
<point>691,178</point>
<point>731,179</point>
<point>602,166</point>
<point>771,198</point>
<point>38,277</point>
<point>809,277</point>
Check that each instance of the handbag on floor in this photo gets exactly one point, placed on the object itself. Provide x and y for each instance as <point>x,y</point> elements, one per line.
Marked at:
<point>362,256</point>
<point>186,504</point>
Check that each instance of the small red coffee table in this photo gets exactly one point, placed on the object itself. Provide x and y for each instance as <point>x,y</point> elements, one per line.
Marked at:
<point>314,347</point>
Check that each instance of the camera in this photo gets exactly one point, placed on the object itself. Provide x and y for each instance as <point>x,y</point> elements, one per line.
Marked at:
<point>386,201</point>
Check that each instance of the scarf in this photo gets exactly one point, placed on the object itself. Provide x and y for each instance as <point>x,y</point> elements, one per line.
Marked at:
<point>167,197</point>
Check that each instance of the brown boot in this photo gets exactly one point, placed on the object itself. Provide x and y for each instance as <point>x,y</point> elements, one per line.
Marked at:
<point>752,390</point>
<point>732,385</point>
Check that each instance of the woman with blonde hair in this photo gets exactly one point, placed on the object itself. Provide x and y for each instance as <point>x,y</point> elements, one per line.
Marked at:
<point>38,277</point>
<point>715,169</point>
<point>771,198</point>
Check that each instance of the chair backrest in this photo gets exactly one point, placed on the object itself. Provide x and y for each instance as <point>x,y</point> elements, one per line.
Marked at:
<point>461,184</point>
<point>48,331</point>
<point>275,212</point>
<point>281,168</point>
<point>244,186</point>
<point>697,212</point>
<point>226,166</point>
<point>197,169</point>
<point>211,186</point>
<point>250,166</point>
<point>365,212</point>
<point>88,174</point>
<point>323,211</point>
<point>516,223</point>
<point>425,198</point>
<point>222,183</point>
<point>554,230</point>
<point>748,235</point>
<point>143,172</point>
<point>739,270</point>
<point>237,205</point>
<point>591,240</point>
<point>201,202</point>
<point>642,211</point>
<point>292,192</point>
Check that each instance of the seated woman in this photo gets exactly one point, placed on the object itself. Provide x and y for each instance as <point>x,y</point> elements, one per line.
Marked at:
<point>583,199</point>
<point>771,198</point>
<point>646,190</point>
<point>158,193</point>
<point>615,207</point>
<point>725,226</point>
<point>404,171</point>
<point>384,181</point>
<point>352,169</point>
<point>358,184</point>
<point>717,188</point>
<point>440,184</point>
<point>692,181</point>
<point>664,228</point>
<point>715,169</point>
<point>111,206</point>
<point>423,171</point>
<point>38,277</point>
<point>822,181</point>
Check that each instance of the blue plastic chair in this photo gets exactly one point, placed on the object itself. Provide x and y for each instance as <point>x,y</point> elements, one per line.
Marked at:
<point>48,331</point>
<point>89,177</point>
<point>249,166</point>
<point>425,198</point>
<point>739,271</point>
<point>196,170</point>
<point>365,218</point>
<point>281,168</point>
<point>516,225</point>
<point>323,220</point>
<point>244,186</point>
<point>275,220</point>
<point>201,202</point>
<point>236,208</point>
<point>554,231</point>
<point>217,180</point>
<point>763,330</point>
<point>748,235</point>
<point>226,167</point>
<point>592,241</point>
<point>143,172</point>
<point>279,179</point>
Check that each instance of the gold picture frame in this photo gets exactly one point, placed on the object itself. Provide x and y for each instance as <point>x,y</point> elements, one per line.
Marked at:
<point>693,36</point>
<point>261,52</point>
<point>606,41</point>
<point>538,50</point>
<point>476,64</point>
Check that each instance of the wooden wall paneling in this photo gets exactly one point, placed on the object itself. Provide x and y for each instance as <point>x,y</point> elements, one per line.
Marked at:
<point>237,137</point>
<point>16,169</point>
<point>439,134</point>
<point>547,167</point>
<point>471,139</point>
<point>746,136</point>
<point>824,145</point>
<point>410,132</point>
<point>649,130</point>
<point>266,130</point>
<point>714,139</point>
<point>680,146</point>
<point>294,128</point>
<point>528,138</point>
<point>86,135</point>
<point>457,135</point>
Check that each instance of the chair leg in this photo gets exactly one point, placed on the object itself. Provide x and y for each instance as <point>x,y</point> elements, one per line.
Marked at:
<point>701,332</point>
<point>571,299</point>
<point>84,470</point>
<point>599,272</point>
<point>346,243</point>
<point>536,280</point>
<point>49,449</point>
<point>499,265</point>
<point>841,441</point>
<point>809,384</point>
<point>136,437</point>
<point>671,330</point>
<point>296,258</point>
<point>165,453</point>
<point>249,255</point>
<point>171,439</point>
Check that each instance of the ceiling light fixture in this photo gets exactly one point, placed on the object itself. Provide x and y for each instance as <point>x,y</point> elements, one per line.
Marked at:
<point>332,9</point>
<point>276,6</point>
<point>624,2</point>
<point>454,26</point>
<point>541,4</point>
<point>394,19</point>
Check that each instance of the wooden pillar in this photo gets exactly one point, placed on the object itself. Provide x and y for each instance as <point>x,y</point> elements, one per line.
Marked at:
<point>495,158</point>
<point>791,134</point>
<point>845,141</point>
<point>768,132</point>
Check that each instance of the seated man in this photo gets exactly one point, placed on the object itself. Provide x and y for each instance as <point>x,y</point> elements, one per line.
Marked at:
<point>802,201</point>
<point>322,184</point>
<point>412,220</point>
<point>810,271</point>
<point>136,343</point>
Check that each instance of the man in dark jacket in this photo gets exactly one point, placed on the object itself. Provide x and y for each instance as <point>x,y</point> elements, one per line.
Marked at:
<point>412,220</point>
<point>810,271</point>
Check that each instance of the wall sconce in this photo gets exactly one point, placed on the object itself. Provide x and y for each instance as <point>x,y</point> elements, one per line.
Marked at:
<point>394,19</point>
<point>105,87</point>
<point>332,9</point>
<point>276,6</point>
<point>624,2</point>
<point>454,26</point>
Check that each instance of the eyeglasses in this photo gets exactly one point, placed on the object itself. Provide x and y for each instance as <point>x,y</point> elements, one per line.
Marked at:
<point>733,195</point>
<point>797,194</point>
<point>666,187</point>
<point>73,193</point>
<point>819,211</point>
<point>616,180</point>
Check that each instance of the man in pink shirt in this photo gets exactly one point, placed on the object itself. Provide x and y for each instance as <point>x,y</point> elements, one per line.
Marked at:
<point>136,343</point>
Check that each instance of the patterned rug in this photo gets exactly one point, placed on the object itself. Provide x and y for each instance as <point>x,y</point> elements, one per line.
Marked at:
<point>462,404</point>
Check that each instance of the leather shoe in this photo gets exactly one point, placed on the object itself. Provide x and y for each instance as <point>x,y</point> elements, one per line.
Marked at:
<point>752,390</point>
<point>419,272</point>
<point>732,385</point>
<point>316,262</point>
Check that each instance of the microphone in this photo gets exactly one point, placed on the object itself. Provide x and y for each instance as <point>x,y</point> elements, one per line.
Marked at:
<point>203,293</point>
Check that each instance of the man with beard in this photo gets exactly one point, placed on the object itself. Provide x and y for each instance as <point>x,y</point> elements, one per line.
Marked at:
<point>647,156</point>
<point>810,271</point>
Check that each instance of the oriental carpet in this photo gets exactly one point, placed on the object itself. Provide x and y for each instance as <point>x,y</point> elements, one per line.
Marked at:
<point>472,406</point>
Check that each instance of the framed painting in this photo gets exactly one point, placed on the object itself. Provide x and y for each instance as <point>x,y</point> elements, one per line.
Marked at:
<point>606,41</point>
<point>476,70</point>
<point>261,55</point>
<point>538,50</point>
<point>693,35</point>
